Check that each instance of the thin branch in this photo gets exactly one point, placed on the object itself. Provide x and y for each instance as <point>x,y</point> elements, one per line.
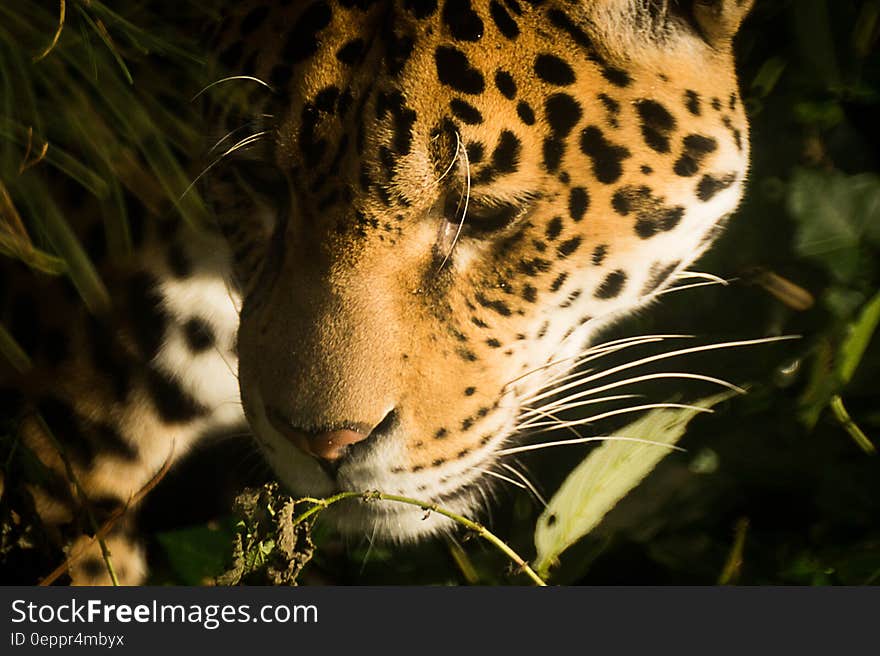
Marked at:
<point>479,529</point>
<point>114,517</point>
<point>858,435</point>
<point>62,11</point>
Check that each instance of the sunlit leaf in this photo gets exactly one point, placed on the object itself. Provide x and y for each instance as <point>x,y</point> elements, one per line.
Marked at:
<point>607,475</point>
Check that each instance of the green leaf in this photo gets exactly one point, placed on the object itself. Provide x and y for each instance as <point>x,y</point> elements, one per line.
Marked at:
<point>856,342</point>
<point>80,268</point>
<point>834,367</point>
<point>197,553</point>
<point>12,352</point>
<point>101,31</point>
<point>823,115</point>
<point>607,475</point>
<point>768,76</point>
<point>837,215</point>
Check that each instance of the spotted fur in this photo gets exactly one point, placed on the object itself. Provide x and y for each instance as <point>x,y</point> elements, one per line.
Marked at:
<point>451,195</point>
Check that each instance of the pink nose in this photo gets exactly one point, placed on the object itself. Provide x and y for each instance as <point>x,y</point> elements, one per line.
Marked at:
<point>327,445</point>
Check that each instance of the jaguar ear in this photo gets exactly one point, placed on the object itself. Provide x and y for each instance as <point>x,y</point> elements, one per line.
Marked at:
<point>719,20</point>
<point>640,23</point>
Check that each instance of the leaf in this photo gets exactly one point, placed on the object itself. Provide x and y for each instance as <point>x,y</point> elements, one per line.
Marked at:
<point>607,475</point>
<point>837,216</point>
<point>823,115</point>
<point>768,76</point>
<point>197,553</point>
<point>102,32</point>
<point>834,366</point>
<point>12,352</point>
<point>80,268</point>
<point>856,343</point>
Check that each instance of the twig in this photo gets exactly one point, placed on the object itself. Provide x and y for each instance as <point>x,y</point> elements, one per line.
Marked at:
<point>476,527</point>
<point>114,517</point>
<point>850,426</point>
<point>80,493</point>
<point>62,11</point>
<point>12,352</point>
<point>479,529</point>
<point>468,571</point>
<point>734,562</point>
<point>10,216</point>
<point>27,162</point>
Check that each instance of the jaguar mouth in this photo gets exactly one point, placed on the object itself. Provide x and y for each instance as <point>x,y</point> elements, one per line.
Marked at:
<point>379,460</point>
<point>332,446</point>
<point>401,519</point>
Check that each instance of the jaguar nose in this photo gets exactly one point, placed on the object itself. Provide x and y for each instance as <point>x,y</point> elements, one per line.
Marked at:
<point>328,446</point>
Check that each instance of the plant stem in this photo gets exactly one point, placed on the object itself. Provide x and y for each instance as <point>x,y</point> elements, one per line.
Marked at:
<point>850,426</point>
<point>733,566</point>
<point>83,498</point>
<point>114,517</point>
<point>12,352</point>
<point>479,529</point>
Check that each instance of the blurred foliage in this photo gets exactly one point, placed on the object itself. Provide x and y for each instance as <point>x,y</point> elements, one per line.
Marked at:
<point>778,487</point>
<point>73,121</point>
<point>95,111</point>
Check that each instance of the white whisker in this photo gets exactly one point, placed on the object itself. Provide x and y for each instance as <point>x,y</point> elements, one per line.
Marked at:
<point>247,141</point>
<point>526,482</point>
<point>587,440</point>
<point>467,197</point>
<point>230,402</point>
<point>454,161</point>
<point>502,477</point>
<point>222,357</point>
<point>229,79</point>
<point>534,423</point>
<point>581,359</point>
<point>565,403</point>
<point>685,275</point>
<point>664,356</point>
<point>487,503</point>
<point>544,410</point>
<point>229,134</point>
<point>597,350</point>
<point>233,298</point>
<point>681,288</point>
<point>370,542</point>
<point>538,411</point>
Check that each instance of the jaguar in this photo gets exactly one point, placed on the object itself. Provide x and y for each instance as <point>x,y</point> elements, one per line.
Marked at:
<point>442,204</point>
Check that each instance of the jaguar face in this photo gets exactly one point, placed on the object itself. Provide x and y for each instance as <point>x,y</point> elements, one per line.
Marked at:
<point>470,189</point>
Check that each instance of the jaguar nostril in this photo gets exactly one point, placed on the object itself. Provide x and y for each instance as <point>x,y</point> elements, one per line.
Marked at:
<point>326,445</point>
<point>331,445</point>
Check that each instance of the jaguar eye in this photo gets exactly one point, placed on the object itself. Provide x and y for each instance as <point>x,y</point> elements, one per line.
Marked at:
<point>481,219</point>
